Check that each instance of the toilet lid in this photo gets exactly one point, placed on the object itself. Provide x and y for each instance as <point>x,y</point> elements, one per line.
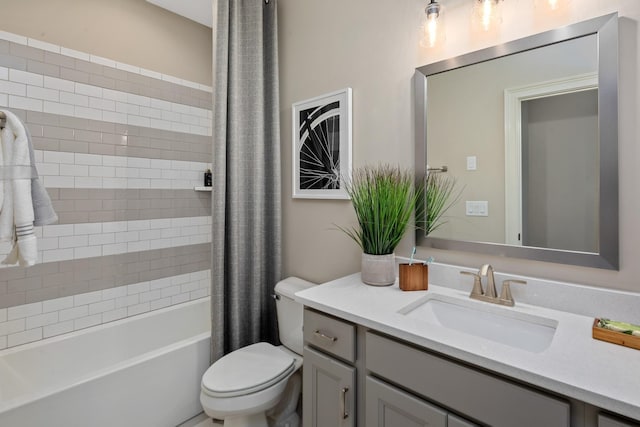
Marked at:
<point>247,370</point>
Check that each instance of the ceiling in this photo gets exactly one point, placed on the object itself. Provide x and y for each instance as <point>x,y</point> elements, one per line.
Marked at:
<point>196,10</point>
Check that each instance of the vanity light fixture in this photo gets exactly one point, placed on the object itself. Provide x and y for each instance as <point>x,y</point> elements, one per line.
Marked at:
<point>486,14</point>
<point>551,5</point>
<point>433,25</point>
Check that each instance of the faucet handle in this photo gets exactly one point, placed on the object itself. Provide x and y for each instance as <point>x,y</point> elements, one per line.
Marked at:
<point>477,283</point>
<point>505,293</point>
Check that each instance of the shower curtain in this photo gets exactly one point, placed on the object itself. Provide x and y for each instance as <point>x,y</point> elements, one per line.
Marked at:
<point>246,174</point>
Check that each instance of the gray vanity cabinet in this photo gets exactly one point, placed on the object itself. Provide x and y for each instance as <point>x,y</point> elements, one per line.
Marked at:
<point>328,390</point>
<point>387,406</point>
<point>607,421</point>
<point>329,374</point>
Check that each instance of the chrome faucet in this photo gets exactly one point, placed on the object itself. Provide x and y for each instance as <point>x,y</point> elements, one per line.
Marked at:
<point>489,294</point>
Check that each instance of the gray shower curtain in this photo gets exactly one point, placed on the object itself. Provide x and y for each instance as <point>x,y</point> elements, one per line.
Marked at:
<point>246,174</point>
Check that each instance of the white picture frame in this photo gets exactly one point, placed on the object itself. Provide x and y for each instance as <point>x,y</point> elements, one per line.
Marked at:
<point>321,139</point>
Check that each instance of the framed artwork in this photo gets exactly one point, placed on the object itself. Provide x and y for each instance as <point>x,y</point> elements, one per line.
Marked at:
<point>322,146</point>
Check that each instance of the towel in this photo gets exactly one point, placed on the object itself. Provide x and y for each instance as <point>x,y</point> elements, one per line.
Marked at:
<point>16,212</point>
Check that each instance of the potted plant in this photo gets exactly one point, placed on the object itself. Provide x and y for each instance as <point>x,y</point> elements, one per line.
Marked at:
<point>384,199</point>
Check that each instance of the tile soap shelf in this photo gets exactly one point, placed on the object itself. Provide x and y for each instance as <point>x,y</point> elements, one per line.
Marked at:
<point>201,188</point>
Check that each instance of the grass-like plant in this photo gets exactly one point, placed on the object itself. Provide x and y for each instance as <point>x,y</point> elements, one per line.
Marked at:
<point>439,189</point>
<point>384,200</point>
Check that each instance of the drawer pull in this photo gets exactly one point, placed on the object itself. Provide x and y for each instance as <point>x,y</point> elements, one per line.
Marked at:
<point>326,337</point>
<point>343,395</point>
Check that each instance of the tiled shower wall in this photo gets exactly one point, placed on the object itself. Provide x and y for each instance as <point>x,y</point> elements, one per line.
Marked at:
<point>120,150</point>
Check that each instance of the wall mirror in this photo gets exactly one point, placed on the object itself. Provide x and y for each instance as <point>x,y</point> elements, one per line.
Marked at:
<point>529,130</point>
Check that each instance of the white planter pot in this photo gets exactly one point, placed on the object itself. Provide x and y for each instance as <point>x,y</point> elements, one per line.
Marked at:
<point>378,270</point>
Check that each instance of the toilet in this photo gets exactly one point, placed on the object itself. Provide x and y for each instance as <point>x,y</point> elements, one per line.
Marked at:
<point>259,385</point>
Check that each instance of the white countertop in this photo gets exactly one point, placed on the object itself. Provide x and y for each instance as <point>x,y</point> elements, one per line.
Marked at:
<point>576,365</point>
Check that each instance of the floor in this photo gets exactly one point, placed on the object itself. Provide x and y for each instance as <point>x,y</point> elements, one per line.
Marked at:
<point>200,420</point>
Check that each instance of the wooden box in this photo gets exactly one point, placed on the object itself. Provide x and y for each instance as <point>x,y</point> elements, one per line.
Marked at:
<point>615,337</point>
<point>414,277</point>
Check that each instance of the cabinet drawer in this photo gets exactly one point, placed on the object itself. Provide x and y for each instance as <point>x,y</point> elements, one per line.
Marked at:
<point>329,334</point>
<point>476,394</point>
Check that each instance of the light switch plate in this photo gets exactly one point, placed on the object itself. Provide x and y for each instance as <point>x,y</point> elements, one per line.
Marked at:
<point>477,208</point>
<point>472,163</point>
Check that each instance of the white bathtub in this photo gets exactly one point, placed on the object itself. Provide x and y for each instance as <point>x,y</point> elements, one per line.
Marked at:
<point>141,371</point>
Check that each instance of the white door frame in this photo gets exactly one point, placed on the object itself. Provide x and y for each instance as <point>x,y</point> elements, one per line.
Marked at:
<point>513,98</point>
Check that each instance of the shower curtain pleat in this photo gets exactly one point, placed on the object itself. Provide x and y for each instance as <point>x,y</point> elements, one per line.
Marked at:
<point>246,175</point>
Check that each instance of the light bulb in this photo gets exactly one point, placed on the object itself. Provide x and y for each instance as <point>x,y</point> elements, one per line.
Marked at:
<point>433,26</point>
<point>486,14</point>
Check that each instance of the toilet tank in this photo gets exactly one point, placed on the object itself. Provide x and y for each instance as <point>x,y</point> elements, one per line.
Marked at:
<point>290,312</point>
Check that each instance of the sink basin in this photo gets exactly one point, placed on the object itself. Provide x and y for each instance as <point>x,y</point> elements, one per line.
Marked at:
<point>492,322</point>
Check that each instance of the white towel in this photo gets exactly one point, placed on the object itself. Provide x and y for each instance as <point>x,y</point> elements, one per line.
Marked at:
<point>16,212</point>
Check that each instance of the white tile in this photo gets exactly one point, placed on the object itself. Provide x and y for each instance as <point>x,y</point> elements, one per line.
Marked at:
<point>75,54</point>
<point>127,67</point>
<point>57,230</point>
<point>160,104</point>
<point>138,162</point>
<point>89,90</point>
<point>54,255</point>
<point>132,120</point>
<point>3,342</point>
<point>74,99</point>
<point>4,99</point>
<point>87,298</point>
<point>88,159</point>
<point>170,291</point>
<point>13,38</point>
<point>114,183</point>
<point>151,112</point>
<point>25,103</point>
<point>127,108</point>
<point>117,161</point>
<point>42,320</point>
<point>26,77</point>
<point>180,298</point>
<point>138,246</point>
<point>103,171</point>
<point>12,326</point>
<point>189,287</point>
<point>43,93</point>
<point>112,315</point>
<point>3,314</point>
<point>48,169</point>
<point>47,243</point>
<point>58,157</point>
<point>159,303</point>
<point>200,293</point>
<point>143,224</point>
<point>74,313</point>
<point>88,321</point>
<point>87,228</point>
<point>57,329</point>
<point>150,73</point>
<point>103,61</point>
<point>58,108</point>
<point>87,113</point>
<point>165,282</point>
<point>171,79</point>
<point>137,288</point>
<point>12,88</point>
<point>73,241</point>
<point>113,293</point>
<point>58,84</point>
<point>150,296</point>
<point>102,239</point>
<point>110,116</point>
<point>24,337</point>
<point>143,101</point>
<point>87,252</point>
<point>57,304</point>
<point>102,306</point>
<point>24,310</point>
<point>102,104</point>
<point>181,279</point>
<point>115,226</point>
<point>74,170</point>
<point>127,236</point>
<point>58,181</point>
<point>127,301</point>
<point>138,309</point>
<point>88,182</point>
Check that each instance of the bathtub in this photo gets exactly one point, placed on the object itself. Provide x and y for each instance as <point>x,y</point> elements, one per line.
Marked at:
<point>141,371</point>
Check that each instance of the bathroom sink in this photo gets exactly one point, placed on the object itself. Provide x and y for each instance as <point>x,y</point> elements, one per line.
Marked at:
<point>492,322</point>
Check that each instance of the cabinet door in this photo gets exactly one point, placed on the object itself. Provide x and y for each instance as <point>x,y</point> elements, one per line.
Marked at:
<point>386,406</point>
<point>328,391</point>
<point>606,421</point>
<point>453,421</point>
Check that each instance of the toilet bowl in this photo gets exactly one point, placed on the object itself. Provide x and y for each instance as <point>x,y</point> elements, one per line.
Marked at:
<point>260,381</point>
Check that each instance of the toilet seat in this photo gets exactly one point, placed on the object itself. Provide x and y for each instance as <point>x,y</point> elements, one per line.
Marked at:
<point>247,370</point>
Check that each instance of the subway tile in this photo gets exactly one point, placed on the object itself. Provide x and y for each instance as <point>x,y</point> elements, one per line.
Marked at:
<point>57,304</point>
<point>58,108</point>
<point>87,298</point>
<point>25,77</point>
<point>41,320</point>
<point>144,307</point>
<point>43,93</point>
<point>88,113</point>
<point>3,315</point>
<point>75,54</point>
<point>12,326</point>
<point>58,84</point>
<point>88,159</point>
<point>74,313</point>
<point>127,301</point>
<point>74,99</point>
<point>24,311</point>
<point>12,88</point>
<point>24,337</point>
<point>87,321</point>
<point>25,103</point>
<point>3,342</point>
<point>116,314</point>
<point>74,170</point>
<point>113,293</point>
<point>57,329</point>
<point>102,306</point>
<point>57,255</point>
<point>89,90</point>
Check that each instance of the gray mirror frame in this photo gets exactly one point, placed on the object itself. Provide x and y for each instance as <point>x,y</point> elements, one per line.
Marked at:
<point>606,29</point>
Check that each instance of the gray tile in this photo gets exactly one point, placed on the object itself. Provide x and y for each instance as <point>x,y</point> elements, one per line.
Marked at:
<point>89,67</point>
<point>41,295</point>
<point>42,68</point>
<point>74,75</point>
<point>74,146</point>
<point>11,300</point>
<point>59,60</point>
<point>74,122</point>
<point>37,117</point>
<point>27,52</point>
<point>102,81</point>
<point>10,61</point>
<point>104,149</point>
<point>58,132</point>
<point>47,144</point>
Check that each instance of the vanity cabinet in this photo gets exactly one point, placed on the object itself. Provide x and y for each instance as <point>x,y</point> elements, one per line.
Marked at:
<point>329,377</point>
<point>607,421</point>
